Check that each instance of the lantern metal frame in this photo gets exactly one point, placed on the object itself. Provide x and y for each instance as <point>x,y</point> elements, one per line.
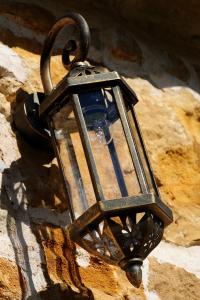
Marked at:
<point>34,119</point>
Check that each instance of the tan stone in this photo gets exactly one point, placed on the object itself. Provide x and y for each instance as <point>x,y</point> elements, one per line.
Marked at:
<point>10,281</point>
<point>104,281</point>
<point>4,106</point>
<point>170,124</point>
<point>172,283</point>
<point>33,82</point>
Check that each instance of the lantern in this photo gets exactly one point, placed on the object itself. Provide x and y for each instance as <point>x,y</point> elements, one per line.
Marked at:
<point>114,203</point>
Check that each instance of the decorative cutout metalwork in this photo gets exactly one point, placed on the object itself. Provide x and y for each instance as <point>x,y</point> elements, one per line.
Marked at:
<point>83,69</point>
<point>118,237</point>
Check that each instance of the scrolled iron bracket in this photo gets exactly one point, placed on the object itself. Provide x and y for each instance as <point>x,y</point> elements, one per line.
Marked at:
<point>78,48</point>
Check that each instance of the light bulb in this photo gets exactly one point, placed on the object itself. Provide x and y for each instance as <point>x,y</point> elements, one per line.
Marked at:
<point>103,131</point>
<point>59,134</point>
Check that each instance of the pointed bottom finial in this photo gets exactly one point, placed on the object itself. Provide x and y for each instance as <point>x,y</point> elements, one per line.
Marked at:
<point>133,269</point>
<point>134,274</point>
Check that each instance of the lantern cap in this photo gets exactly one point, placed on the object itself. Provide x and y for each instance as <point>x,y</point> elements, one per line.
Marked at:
<point>89,78</point>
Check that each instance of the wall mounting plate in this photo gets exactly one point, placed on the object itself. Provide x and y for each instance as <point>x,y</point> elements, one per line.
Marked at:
<point>28,122</point>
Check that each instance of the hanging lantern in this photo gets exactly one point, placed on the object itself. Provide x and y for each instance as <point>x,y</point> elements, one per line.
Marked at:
<point>115,207</point>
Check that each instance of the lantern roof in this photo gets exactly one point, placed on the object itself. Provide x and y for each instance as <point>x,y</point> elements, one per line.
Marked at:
<point>88,78</point>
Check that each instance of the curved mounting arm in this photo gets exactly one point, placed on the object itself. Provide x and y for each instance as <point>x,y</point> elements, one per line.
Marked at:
<point>80,49</point>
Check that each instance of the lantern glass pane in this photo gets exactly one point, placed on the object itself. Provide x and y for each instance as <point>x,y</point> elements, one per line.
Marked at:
<point>72,157</point>
<point>141,150</point>
<point>109,146</point>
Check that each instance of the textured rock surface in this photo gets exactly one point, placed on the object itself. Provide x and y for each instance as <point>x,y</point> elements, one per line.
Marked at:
<point>171,282</point>
<point>10,281</point>
<point>37,259</point>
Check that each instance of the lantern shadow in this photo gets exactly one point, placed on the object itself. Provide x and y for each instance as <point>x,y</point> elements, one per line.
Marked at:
<point>33,197</point>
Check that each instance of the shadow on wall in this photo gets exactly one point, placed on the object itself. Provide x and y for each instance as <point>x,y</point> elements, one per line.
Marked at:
<point>31,190</point>
<point>24,24</point>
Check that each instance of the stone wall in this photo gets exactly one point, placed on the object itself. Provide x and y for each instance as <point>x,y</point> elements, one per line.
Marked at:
<point>37,260</point>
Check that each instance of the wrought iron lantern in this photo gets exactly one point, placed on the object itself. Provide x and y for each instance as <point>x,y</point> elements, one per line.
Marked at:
<point>114,203</point>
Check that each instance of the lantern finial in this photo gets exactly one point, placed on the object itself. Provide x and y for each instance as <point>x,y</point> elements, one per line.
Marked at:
<point>134,273</point>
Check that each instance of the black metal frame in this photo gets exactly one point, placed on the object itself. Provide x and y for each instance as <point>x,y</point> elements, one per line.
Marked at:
<point>69,84</point>
<point>102,209</point>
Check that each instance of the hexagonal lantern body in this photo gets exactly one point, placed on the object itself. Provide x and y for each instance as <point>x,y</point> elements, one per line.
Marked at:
<point>115,206</point>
